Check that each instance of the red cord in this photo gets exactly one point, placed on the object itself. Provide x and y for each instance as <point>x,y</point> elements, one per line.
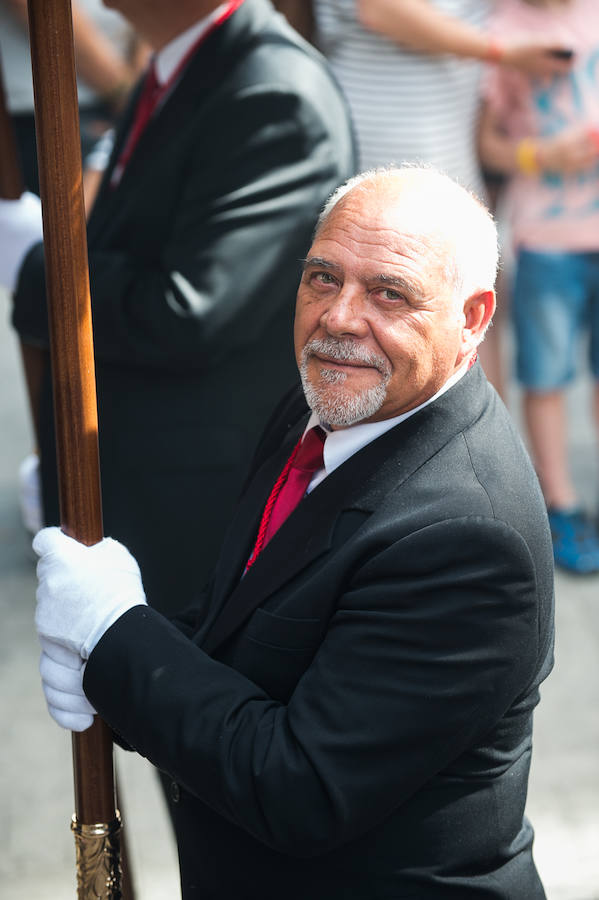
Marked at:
<point>269,506</point>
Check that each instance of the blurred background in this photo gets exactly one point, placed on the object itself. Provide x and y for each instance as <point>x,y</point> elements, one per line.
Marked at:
<point>37,857</point>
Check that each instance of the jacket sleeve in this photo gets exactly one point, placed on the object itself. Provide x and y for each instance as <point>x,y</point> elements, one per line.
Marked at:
<point>234,244</point>
<point>426,652</point>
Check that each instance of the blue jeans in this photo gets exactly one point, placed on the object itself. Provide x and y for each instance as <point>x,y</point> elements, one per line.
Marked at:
<point>555,304</point>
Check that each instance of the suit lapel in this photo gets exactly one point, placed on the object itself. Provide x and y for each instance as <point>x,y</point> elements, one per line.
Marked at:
<point>240,540</point>
<point>362,483</point>
<point>241,535</point>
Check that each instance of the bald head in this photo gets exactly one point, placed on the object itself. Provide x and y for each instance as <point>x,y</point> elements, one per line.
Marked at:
<point>423,202</point>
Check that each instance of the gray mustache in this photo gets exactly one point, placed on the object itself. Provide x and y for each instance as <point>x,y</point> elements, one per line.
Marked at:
<point>346,351</point>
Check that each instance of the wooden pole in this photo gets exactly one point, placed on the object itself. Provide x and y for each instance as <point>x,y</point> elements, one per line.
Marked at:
<point>96,823</point>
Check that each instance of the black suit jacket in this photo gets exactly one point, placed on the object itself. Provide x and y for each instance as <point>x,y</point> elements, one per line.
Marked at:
<point>194,263</point>
<point>352,719</point>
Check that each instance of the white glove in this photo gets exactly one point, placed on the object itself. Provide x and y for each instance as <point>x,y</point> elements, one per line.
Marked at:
<point>62,683</point>
<point>20,229</point>
<point>82,590</point>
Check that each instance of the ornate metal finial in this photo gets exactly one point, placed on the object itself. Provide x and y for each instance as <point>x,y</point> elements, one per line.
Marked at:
<point>98,859</point>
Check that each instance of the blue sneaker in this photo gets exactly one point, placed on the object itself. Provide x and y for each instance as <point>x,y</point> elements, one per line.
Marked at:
<point>575,541</point>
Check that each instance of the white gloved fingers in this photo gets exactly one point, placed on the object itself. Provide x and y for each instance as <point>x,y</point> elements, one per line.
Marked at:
<point>71,721</point>
<point>74,703</point>
<point>60,654</point>
<point>62,687</point>
<point>82,590</point>
<point>63,690</point>
<point>49,539</point>
<point>20,229</point>
<point>52,544</point>
<point>61,677</point>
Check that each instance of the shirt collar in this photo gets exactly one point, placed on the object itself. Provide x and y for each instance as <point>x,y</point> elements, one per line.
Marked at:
<point>169,58</point>
<point>340,445</point>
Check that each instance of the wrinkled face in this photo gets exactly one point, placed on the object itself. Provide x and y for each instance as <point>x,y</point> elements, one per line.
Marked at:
<point>378,329</point>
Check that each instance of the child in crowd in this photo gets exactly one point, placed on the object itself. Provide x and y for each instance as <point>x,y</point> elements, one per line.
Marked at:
<point>544,133</point>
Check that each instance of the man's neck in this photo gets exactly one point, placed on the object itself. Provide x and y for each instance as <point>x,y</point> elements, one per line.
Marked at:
<point>162,23</point>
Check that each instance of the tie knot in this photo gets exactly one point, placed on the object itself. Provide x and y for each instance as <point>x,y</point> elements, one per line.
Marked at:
<point>309,457</point>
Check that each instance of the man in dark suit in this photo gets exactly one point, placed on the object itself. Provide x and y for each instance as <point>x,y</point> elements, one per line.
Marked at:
<point>347,710</point>
<point>195,242</point>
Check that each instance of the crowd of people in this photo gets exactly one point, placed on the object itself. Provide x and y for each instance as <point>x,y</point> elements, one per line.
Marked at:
<point>278,704</point>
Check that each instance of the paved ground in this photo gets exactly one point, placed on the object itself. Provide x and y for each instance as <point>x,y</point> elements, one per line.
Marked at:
<point>36,847</point>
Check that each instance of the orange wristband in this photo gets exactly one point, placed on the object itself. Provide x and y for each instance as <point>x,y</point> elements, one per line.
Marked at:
<point>526,157</point>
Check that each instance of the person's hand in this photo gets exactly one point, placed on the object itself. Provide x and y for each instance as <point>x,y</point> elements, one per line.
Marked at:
<point>20,229</point>
<point>535,59</point>
<point>62,683</point>
<point>82,590</point>
<point>567,153</point>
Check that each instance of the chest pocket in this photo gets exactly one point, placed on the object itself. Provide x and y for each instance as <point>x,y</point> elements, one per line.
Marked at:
<point>275,651</point>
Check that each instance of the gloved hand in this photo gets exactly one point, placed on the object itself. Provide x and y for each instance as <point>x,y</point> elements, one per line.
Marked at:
<point>82,590</point>
<point>20,229</point>
<point>62,683</point>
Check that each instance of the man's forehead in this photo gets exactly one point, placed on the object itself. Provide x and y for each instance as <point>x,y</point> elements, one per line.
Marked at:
<point>348,236</point>
<point>373,236</point>
<point>389,218</point>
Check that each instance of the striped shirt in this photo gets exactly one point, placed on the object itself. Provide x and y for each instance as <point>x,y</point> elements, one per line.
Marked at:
<point>406,106</point>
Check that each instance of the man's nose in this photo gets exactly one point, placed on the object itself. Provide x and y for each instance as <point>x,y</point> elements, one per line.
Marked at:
<point>345,315</point>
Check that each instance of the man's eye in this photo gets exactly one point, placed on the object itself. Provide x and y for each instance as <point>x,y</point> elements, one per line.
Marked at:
<point>324,277</point>
<point>390,294</point>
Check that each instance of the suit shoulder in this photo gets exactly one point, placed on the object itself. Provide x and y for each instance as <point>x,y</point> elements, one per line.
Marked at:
<point>277,55</point>
<point>500,460</point>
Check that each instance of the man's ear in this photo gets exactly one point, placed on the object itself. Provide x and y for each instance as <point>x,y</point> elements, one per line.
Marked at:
<point>478,312</point>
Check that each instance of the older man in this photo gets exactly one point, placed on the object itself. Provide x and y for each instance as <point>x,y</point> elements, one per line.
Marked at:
<point>347,711</point>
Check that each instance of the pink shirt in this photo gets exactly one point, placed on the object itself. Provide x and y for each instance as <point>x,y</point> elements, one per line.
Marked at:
<point>550,211</point>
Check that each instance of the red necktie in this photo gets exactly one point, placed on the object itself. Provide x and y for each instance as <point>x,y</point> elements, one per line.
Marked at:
<point>290,487</point>
<point>151,93</point>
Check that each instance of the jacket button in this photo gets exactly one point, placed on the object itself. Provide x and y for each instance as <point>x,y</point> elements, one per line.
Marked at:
<point>175,792</point>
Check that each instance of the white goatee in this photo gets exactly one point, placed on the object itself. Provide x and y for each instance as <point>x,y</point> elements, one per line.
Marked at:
<point>330,400</point>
